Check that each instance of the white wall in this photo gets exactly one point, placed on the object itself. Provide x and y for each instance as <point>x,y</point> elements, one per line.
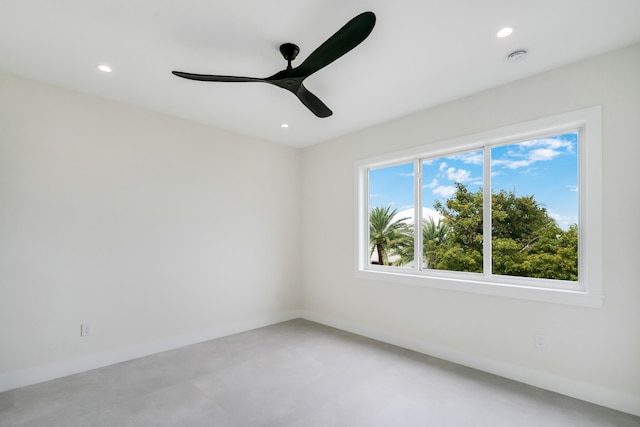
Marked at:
<point>158,231</point>
<point>593,354</point>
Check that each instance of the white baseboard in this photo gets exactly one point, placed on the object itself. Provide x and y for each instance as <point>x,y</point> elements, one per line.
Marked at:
<point>42,373</point>
<point>568,387</point>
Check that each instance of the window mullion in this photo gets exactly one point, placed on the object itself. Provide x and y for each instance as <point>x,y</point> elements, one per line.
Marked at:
<point>486,214</point>
<point>417,222</point>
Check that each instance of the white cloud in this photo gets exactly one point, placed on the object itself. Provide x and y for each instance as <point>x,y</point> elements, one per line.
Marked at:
<point>543,154</point>
<point>519,164</point>
<point>529,152</point>
<point>458,175</point>
<point>445,191</point>
<point>511,164</point>
<point>552,143</point>
<point>573,188</point>
<point>443,166</point>
<point>474,158</point>
<point>432,184</point>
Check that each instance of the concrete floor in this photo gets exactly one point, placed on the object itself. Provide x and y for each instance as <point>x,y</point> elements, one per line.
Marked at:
<point>296,373</point>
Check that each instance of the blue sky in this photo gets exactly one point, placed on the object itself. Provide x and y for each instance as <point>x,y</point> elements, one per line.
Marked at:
<point>546,168</point>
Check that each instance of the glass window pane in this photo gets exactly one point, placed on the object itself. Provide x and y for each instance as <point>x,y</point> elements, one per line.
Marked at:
<point>535,208</point>
<point>452,212</point>
<point>391,212</point>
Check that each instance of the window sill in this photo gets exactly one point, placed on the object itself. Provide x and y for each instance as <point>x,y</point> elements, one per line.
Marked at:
<point>539,294</point>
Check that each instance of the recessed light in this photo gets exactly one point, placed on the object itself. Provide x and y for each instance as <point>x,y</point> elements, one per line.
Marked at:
<point>104,68</point>
<point>284,125</point>
<point>505,32</point>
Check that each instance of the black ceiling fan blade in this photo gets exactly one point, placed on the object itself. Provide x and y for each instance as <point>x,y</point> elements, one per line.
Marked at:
<point>312,102</point>
<point>214,78</point>
<point>346,38</point>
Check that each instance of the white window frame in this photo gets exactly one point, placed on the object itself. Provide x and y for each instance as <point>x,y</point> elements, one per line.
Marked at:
<point>588,291</point>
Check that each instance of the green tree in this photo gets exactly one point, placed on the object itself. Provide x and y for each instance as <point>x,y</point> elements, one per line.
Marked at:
<point>525,240</point>
<point>521,219</point>
<point>551,254</point>
<point>462,215</point>
<point>388,236</point>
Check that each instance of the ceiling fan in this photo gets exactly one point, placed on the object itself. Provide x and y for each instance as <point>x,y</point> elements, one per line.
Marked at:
<point>346,38</point>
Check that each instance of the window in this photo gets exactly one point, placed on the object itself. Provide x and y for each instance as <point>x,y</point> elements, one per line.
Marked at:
<point>512,212</point>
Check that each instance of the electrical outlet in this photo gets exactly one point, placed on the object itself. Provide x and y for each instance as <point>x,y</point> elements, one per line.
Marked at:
<point>541,341</point>
<point>85,329</point>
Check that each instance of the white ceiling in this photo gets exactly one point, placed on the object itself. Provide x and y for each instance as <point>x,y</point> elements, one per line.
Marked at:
<point>421,53</point>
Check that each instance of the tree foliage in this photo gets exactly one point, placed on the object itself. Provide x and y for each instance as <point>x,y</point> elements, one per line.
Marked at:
<point>527,242</point>
<point>433,235</point>
<point>463,217</point>
<point>387,236</point>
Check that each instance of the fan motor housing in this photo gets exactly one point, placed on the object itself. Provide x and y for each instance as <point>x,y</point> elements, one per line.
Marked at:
<point>289,51</point>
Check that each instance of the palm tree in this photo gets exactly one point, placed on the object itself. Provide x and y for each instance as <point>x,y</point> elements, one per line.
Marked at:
<point>387,235</point>
<point>433,235</point>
